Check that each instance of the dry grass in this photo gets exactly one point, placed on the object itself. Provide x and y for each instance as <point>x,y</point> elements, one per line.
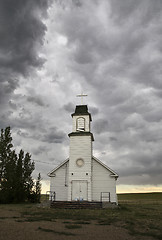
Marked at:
<point>138,217</point>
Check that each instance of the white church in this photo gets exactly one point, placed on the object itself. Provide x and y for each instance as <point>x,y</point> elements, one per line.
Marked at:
<point>82,177</point>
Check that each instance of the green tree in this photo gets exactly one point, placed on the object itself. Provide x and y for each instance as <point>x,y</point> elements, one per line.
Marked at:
<point>16,182</point>
<point>7,166</point>
<point>10,177</point>
<point>5,150</point>
<point>28,168</point>
<point>19,185</point>
<point>38,188</point>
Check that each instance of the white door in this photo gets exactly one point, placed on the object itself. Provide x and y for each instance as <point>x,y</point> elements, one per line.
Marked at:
<point>79,190</point>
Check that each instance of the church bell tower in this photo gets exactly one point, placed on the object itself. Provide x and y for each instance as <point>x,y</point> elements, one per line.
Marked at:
<point>80,157</point>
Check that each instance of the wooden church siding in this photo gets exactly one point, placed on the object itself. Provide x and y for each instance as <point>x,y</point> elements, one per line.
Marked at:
<point>80,147</point>
<point>102,182</point>
<point>59,183</point>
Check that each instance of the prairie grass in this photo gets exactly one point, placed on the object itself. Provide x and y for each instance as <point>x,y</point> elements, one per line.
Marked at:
<point>142,197</point>
<point>140,214</point>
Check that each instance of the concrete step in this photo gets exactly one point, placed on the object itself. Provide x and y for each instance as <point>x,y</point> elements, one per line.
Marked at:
<point>76,204</point>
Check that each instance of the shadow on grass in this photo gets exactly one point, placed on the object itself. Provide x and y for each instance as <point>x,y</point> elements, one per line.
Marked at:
<point>56,232</point>
<point>81,222</point>
<point>73,226</point>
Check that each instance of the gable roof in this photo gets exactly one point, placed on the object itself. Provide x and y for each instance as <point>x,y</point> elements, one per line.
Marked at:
<point>50,174</point>
<point>113,173</point>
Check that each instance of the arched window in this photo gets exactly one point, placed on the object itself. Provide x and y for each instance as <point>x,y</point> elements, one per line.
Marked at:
<point>80,126</point>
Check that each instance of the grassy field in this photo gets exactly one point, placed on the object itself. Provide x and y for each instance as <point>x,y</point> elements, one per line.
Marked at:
<point>157,196</point>
<point>139,216</point>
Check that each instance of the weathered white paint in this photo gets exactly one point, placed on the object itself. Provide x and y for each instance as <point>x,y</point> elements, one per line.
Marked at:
<point>79,190</point>
<point>102,181</point>
<point>80,147</point>
<point>59,182</point>
<point>99,179</point>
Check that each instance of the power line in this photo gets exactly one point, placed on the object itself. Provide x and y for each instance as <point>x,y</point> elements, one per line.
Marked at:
<point>42,162</point>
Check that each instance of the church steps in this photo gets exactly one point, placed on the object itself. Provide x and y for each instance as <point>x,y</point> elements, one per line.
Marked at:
<point>76,204</point>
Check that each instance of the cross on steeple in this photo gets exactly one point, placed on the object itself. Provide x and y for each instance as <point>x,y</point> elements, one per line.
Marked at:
<point>82,95</point>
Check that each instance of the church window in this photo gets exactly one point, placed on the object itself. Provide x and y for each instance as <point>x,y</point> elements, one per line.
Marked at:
<point>80,124</point>
<point>80,162</point>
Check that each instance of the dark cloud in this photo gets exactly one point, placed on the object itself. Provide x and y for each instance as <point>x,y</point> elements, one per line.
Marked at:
<point>112,50</point>
<point>54,136</point>
<point>158,93</point>
<point>69,107</point>
<point>55,78</point>
<point>12,105</point>
<point>101,126</point>
<point>7,86</point>
<point>23,119</point>
<point>115,52</point>
<point>113,138</point>
<point>93,110</point>
<point>40,150</point>
<point>145,10</point>
<point>153,116</point>
<point>23,133</point>
<point>21,36</point>
<point>37,100</point>
<point>77,3</point>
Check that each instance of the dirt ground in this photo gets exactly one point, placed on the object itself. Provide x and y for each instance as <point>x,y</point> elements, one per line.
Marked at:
<point>14,226</point>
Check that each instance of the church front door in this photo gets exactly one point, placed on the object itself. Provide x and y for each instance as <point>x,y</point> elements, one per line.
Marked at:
<point>80,190</point>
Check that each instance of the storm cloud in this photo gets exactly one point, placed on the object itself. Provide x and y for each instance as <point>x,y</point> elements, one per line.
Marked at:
<point>21,36</point>
<point>22,32</point>
<point>110,50</point>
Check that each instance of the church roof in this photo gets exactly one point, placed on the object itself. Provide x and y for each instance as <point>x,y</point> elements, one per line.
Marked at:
<point>50,174</point>
<point>81,110</point>
<point>81,134</point>
<point>113,173</point>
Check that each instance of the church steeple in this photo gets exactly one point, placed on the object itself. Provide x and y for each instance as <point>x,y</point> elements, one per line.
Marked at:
<point>81,110</point>
<point>81,121</point>
<point>80,157</point>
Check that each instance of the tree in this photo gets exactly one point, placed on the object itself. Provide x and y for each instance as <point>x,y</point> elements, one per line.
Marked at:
<point>36,196</point>
<point>7,166</point>
<point>38,188</point>
<point>28,168</point>
<point>5,150</point>
<point>16,182</point>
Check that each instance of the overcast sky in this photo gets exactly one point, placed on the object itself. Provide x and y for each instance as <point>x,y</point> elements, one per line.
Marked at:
<point>50,51</point>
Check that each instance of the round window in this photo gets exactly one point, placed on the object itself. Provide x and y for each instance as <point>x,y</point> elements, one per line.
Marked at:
<point>80,162</point>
